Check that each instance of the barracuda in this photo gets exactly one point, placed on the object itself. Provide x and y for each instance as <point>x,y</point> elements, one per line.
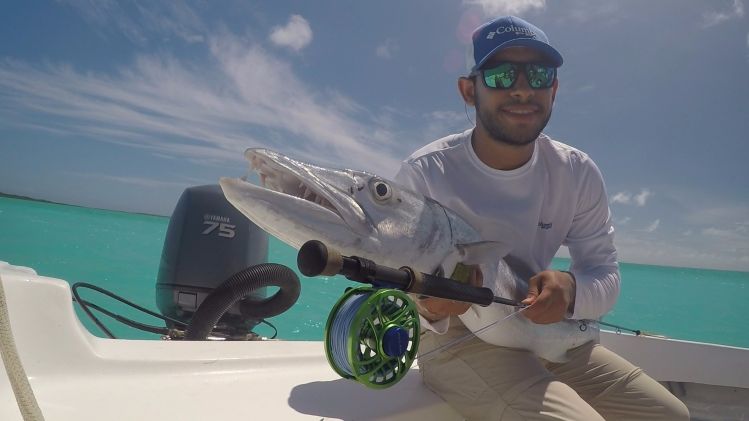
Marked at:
<point>362,214</point>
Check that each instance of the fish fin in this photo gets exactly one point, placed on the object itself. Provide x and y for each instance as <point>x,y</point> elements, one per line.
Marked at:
<point>482,251</point>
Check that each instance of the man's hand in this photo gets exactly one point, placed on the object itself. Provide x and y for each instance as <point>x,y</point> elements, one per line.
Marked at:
<point>438,308</point>
<point>550,294</point>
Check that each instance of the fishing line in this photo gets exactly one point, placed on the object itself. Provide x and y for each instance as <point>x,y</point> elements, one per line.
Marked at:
<point>341,324</point>
<point>467,336</point>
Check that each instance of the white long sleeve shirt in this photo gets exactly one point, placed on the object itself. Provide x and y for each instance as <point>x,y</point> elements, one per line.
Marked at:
<point>557,198</point>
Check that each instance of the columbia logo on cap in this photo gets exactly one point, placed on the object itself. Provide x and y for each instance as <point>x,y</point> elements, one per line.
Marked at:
<point>518,31</point>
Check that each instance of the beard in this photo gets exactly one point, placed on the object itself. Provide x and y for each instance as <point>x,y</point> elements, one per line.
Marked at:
<point>508,135</point>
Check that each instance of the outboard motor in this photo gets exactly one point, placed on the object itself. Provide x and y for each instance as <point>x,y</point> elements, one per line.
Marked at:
<point>207,242</point>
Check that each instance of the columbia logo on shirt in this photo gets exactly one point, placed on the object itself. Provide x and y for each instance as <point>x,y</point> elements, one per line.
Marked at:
<point>544,226</point>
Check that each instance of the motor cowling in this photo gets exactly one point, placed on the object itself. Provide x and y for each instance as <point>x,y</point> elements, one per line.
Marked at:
<point>207,242</point>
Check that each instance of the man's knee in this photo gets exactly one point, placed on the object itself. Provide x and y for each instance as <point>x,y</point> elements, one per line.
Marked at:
<point>660,406</point>
<point>675,410</point>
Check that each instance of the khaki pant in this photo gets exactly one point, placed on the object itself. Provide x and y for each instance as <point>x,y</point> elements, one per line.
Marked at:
<point>486,382</point>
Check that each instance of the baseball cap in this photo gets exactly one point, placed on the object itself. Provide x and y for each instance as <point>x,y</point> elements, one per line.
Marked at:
<point>508,31</point>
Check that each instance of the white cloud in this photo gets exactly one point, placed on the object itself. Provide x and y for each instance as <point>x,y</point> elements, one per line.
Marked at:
<point>742,227</point>
<point>724,234</point>
<point>178,19</point>
<point>716,18</point>
<point>149,183</point>
<point>574,12</point>
<point>729,213</point>
<point>712,232</point>
<point>622,221</point>
<point>585,88</point>
<point>108,15</point>
<point>206,112</point>
<point>691,251</point>
<point>622,197</point>
<point>713,246</point>
<point>440,122</point>
<point>582,11</point>
<point>449,117</point>
<point>642,197</point>
<point>140,23</point>
<point>506,7</point>
<point>626,198</point>
<point>296,35</point>
<point>716,247</point>
<point>652,227</point>
<point>386,49</point>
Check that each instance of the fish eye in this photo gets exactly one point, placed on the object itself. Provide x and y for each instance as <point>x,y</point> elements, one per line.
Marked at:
<point>381,190</point>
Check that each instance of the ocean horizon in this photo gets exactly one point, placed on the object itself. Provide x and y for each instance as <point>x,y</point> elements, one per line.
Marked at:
<point>121,251</point>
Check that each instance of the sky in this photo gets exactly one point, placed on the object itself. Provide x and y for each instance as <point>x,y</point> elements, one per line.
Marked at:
<point>122,105</point>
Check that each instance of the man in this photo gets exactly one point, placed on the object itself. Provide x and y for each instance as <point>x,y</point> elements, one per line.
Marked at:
<point>515,184</point>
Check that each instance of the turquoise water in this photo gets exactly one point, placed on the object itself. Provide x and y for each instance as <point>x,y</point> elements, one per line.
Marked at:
<point>120,252</point>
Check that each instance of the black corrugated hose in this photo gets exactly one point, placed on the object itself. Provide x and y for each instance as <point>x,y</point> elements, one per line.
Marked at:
<point>239,286</point>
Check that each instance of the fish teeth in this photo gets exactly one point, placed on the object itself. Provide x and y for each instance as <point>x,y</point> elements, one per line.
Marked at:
<point>307,193</point>
<point>302,191</point>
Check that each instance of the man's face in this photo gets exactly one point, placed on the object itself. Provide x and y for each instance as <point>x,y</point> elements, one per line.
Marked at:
<point>516,115</point>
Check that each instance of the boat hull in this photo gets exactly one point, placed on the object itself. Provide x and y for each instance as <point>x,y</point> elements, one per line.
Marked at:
<point>77,376</point>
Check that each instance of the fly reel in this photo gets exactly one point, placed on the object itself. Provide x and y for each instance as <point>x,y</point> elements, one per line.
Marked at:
<point>372,336</point>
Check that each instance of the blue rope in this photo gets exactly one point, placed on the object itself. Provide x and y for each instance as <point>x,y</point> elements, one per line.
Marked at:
<point>340,331</point>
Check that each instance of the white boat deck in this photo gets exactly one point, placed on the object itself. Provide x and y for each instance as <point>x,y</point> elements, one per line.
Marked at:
<point>77,376</point>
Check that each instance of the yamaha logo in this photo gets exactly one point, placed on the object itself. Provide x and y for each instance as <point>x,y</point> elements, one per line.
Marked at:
<point>219,225</point>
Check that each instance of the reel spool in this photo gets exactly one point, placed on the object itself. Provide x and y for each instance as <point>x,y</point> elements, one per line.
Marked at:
<point>372,336</point>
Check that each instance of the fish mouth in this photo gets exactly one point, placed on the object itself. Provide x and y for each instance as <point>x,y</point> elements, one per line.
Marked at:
<point>308,194</point>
